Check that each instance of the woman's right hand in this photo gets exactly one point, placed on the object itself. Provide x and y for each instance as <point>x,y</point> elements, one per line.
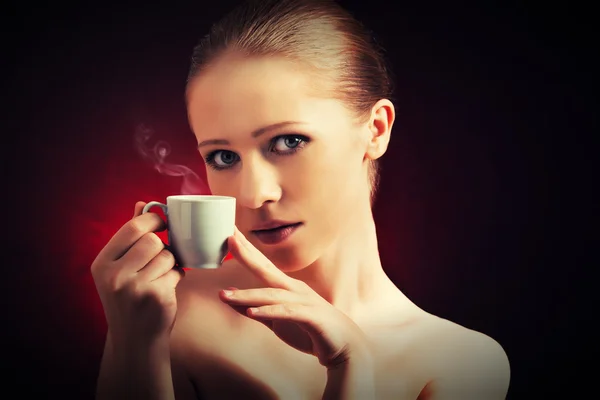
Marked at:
<point>136,281</point>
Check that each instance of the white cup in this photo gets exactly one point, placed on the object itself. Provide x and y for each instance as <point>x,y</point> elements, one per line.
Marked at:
<point>198,227</point>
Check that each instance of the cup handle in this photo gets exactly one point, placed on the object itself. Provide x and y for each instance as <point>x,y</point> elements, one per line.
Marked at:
<point>165,209</point>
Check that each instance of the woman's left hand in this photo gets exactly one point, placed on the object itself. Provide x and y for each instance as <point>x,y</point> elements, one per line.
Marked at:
<point>334,338</point>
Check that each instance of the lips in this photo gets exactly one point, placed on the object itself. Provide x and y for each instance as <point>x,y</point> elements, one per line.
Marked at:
<point>276,228</point>
<point>276,235</point>
<point>272,224</point>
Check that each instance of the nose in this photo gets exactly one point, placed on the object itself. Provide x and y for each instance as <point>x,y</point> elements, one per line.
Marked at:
<point>258,184</point>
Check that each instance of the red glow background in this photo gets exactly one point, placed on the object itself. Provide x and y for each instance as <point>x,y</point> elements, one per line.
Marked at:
<point>468,213</point>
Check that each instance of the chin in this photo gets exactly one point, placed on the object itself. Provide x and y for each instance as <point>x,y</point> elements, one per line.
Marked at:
<point>286,258</point>
<point>291,268</point>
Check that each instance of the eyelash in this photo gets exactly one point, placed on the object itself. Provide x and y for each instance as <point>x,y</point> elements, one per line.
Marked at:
<point>209,160</point>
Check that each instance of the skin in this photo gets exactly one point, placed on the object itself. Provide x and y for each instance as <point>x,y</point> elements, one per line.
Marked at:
<point>335,254</point>
<point>324,185</point>
<point>321,291</point>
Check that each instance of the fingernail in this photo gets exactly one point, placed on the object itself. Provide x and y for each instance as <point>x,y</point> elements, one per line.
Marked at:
<point>227,293</point>
<point>253,310</point>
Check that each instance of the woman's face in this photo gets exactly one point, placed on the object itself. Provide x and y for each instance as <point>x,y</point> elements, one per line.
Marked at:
<point>284,153</point>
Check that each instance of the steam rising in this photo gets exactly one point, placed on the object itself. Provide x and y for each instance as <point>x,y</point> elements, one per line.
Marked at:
<point>156,155</point>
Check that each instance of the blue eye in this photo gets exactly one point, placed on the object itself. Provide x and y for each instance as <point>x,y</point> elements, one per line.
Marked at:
<point>224,159</point>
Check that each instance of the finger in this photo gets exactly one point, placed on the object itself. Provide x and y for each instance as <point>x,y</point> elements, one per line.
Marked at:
<point>306,316</point>
<point>139,207</point>
<point>249,256</point>
<point>243,310</point>
<point>259,296</point>
<point>129,234</point>
<point>148,247</point>
<point>329,344</point>
<point>292,312</point>
<point>162,263</point>
<point>171,278</point>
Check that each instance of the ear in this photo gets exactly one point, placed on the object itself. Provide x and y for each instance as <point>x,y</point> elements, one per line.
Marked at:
<point>380,128</point>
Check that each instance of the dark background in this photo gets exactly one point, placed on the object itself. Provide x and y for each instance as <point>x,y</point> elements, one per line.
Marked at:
<point>482,211</point>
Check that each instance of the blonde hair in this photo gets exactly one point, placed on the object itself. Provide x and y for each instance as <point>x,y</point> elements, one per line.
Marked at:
<point>317,33</point>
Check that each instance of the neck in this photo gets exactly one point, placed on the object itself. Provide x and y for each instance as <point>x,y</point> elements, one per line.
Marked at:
<point>349,274</point>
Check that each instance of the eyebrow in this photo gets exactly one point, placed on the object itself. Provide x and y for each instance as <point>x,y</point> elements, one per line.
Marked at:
<point>256,133</point>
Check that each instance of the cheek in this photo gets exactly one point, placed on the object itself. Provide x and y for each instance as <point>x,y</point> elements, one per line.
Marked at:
<point>219,183</point>
<point>332,186</point>
<point>214,183</point>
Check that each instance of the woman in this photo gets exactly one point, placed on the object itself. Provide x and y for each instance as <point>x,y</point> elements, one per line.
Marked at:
<point>289,103</point>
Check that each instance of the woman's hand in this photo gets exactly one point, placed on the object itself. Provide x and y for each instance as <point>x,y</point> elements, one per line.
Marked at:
<point>329,334</point>
<point>136,281</point>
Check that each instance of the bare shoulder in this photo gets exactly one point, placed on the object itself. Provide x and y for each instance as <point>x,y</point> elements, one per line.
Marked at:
<point>200,313</point>
<point>204,329</point>
<point>464,363</point>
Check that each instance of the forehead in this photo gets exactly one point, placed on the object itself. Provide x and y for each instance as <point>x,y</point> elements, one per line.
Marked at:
<point>239,95</point>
